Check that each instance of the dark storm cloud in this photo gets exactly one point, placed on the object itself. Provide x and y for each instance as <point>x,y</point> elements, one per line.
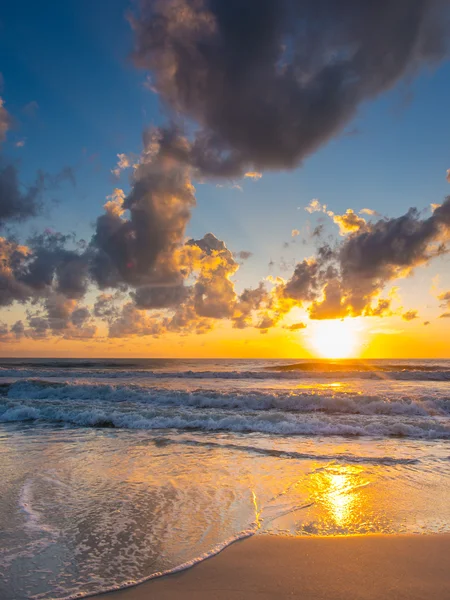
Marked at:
<point>268,82</point>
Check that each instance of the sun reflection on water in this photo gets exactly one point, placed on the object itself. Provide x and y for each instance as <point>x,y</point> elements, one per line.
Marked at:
<point>338,490</point>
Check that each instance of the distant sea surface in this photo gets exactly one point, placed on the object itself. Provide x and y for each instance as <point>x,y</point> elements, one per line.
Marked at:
<point>114,471</point>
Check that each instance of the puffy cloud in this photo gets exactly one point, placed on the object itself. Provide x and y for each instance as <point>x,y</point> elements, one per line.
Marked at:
<point>157,297</point>
<point>369,211</point>
<point>269,86</point>
<point>248,302</point>
<point>132,321</point>
<point>381,309</point>
<point>58,316</point>
<point>13,259</point>
<point>315,206</point>
<point>349,222</point>
<point>410,315</point>
<point>295,232</point>
<point>389,249</point>
<point>125,161</point>
<point>105,307</point>
<point>344,280</point>
<point>214,294</point>
<point>331,305</point>
<point>448,175</point>
<point>31,272</point>
<point>140,250</point>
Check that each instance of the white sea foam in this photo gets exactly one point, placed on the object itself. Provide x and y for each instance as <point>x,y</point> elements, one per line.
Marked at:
<point>273,422</point>
<point>183,567</point>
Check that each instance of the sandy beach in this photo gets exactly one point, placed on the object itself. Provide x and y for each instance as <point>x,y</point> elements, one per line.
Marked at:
<point>400,567</point>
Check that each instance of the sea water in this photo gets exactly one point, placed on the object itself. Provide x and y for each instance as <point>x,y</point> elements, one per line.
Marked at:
<point>114,471</point>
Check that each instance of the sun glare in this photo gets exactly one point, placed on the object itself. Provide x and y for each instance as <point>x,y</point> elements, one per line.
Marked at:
<point>336,338</point>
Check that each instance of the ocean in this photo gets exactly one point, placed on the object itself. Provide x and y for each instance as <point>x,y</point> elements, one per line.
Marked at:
<point>115,471</point>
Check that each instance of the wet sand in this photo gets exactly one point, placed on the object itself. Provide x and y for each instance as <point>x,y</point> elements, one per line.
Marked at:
<point>375,567</point>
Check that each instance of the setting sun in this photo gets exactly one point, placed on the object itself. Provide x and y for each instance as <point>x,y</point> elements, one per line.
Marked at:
<point>336,339</point>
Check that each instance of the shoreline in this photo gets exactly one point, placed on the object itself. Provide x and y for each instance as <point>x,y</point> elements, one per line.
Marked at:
<point>266,567</point>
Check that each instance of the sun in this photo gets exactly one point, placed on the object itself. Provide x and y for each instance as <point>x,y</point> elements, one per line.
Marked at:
<point>336,338</point>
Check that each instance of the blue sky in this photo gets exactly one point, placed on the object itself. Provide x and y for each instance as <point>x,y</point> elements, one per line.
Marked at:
<point>78,101</point>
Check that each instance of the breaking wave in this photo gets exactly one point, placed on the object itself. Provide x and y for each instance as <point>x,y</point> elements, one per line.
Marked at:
<point>276,412</point>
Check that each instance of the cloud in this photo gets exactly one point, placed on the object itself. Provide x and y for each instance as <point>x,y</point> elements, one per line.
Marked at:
<point>17,205</point>
<point>445,299</point>
<point>5,121</point>
<point>29,272</point>
<point>125,161</point>
<point>259,103</point>
<point>244,254</point>
<point>381,309</point>
<point>249,90</point>
<point>248,302</point>
<point>410,315</point>
<point>140,250</point>
<point>133,321</point>
<point>56,315</point>
<point>344,280</point>
<point>349,222</point>
<point>214,294</point>
<point>157,297</point>
<point>369,211</point>
<point>448,175</point>
<point>296,326</point>
<point>295,232</point>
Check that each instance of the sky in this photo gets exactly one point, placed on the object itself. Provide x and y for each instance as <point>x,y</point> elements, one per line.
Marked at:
<point>199,178</point>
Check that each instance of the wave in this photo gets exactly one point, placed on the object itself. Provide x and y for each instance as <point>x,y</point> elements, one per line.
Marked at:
<point>358,366</point>
<point>278,373</point>
<point>348,458</point>
<point>133,416</point>
<point>338,402</point>
<point>246,533</point>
